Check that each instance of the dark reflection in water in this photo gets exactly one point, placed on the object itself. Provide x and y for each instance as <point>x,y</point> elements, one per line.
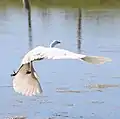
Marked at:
<point>71,91</point>
<point>27,6</point>
<point>30,30</point>
<point>79,30</point>
<point>76,91</point>
<point>103,86</point>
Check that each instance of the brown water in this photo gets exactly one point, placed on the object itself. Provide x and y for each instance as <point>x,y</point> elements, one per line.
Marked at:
<point>72,89</point>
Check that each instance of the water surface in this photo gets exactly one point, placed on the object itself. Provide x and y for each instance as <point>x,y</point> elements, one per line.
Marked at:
<point>69,86</point>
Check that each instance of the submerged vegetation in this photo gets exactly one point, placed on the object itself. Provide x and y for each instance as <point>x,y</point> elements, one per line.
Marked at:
<point>68,3</point>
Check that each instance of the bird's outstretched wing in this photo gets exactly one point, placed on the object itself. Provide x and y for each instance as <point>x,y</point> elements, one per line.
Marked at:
<point>26,84</point>
<point>39,53</point>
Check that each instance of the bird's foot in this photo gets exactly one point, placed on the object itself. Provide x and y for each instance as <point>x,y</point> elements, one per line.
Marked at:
<point>14,73</point>
<point>28,72</point>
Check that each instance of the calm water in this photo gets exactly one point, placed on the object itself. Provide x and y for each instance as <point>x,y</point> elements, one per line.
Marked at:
<point>70,90</point>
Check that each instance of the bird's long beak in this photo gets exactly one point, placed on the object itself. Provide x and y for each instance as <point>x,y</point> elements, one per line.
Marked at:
<point>58,42</point>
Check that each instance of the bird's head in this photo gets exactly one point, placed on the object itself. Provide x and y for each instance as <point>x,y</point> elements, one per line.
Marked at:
<point>55,42</point>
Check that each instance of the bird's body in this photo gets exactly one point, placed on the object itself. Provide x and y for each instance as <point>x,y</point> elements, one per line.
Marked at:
<point>25,80</point>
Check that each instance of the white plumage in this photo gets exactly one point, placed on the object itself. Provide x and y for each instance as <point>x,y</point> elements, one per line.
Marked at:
<point>25,80</point>
<point>26,84</point>
<point>40,52</point>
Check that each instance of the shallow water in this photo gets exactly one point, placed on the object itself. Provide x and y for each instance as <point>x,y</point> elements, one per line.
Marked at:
<point>71,88</point>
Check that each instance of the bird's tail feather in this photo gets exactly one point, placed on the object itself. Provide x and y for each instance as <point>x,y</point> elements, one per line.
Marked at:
<point>96,59</point>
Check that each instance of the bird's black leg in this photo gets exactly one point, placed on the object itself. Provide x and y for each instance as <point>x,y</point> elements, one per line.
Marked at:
<point>29,68</point>
<point>14,73</point>
<point>28,72</point>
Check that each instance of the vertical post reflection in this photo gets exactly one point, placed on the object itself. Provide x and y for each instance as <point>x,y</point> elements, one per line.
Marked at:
<point>79,30</point>
<point>30,30</point>
<point>27,6</point>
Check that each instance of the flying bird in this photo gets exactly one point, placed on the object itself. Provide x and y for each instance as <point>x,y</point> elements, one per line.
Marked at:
<point>25,80</point>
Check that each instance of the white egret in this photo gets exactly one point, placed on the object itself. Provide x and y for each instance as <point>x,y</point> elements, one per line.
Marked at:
<point>25,80</point>
<point>31,86</point>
